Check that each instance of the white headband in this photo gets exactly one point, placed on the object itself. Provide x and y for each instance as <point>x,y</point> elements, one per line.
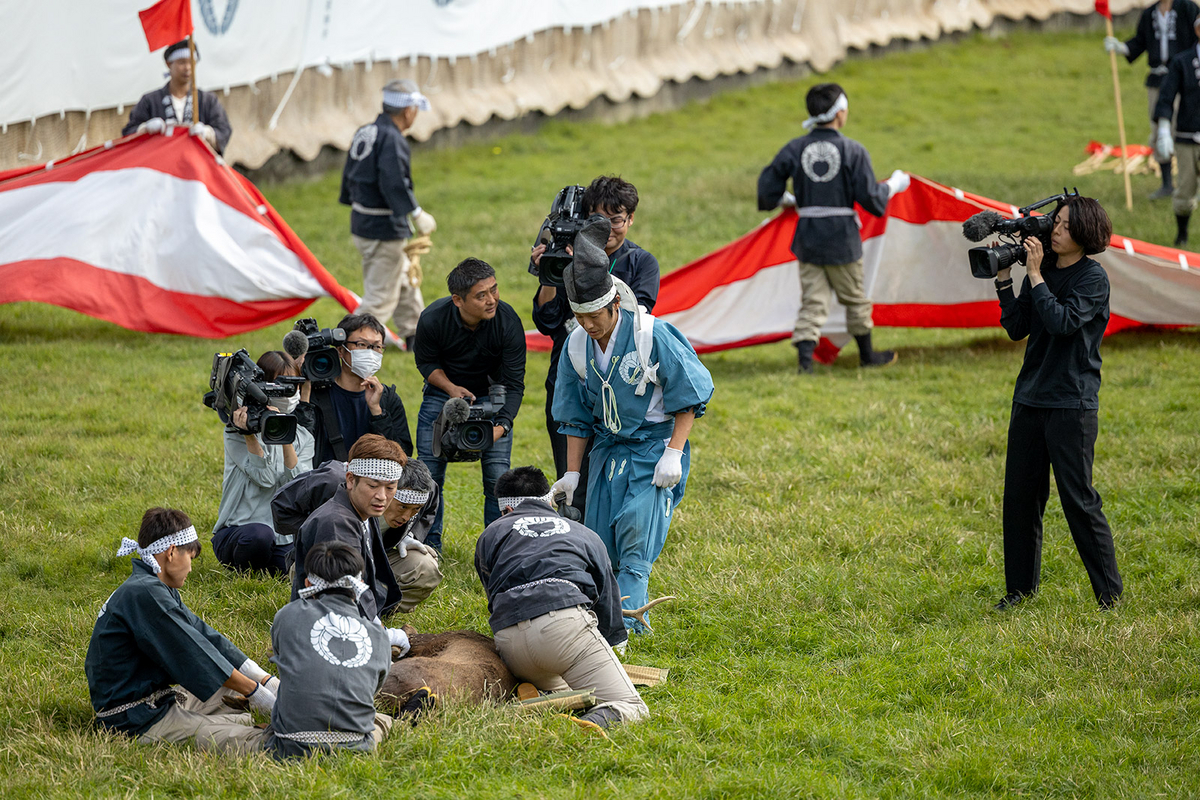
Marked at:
<point>351,582</point>
<point>185,536</point>
<point>412,497</point>
<point>182,52</point>
<point>405,99</point>
<point>841,104</point>
<point>378,469</point>
<point>597,304</point>
<point>513,502</point>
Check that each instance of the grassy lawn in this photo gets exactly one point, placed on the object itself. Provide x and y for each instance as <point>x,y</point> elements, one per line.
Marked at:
<point>839,549</point>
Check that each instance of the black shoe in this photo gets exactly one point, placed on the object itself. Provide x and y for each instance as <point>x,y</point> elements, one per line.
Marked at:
<point>603,717</point>
<point>804,352</point>
<point>1009,600</point>
<point>869,357</point>
<point>1181,241</point>
<point>1163,193</point>
<point>1181,225</point>
<point>1108,602</point>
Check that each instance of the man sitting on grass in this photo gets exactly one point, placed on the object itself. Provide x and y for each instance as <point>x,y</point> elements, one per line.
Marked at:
<point>146,640</point>
<point>332,658</point>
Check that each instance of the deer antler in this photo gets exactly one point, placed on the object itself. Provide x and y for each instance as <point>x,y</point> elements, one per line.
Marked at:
<point>640,613</point>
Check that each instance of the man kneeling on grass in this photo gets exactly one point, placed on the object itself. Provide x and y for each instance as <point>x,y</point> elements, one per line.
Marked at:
<point>332,659</point>
<point>146,640</point>
<point>555,607</point>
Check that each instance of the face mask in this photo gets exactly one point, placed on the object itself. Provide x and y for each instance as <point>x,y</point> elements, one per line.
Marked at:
<point>288,404</point>
<point>365,363</point>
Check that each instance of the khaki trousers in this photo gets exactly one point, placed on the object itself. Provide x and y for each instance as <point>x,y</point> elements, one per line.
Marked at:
<point>387,290</point>
<point>417,574</point>
<point>383,726</point>
<point>213,725</point>
<point>564,650</point>
<point>1187,157</point>
<point>816,284</point>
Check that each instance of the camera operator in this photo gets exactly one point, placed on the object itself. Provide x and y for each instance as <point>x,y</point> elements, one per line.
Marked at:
<point>1063,309</point>
<point>466,342</point>
<point>617,200</point>
<point>356,402</point>
<point>243,537</point>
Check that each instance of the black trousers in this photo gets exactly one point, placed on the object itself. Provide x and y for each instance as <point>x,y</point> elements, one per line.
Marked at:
<point>558,445</point>
<point>1063,438</point>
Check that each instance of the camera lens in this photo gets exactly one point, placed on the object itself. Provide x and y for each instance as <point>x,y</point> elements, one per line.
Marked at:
<point>278,428</point>
<point>473,436</point>
<point>322,365</point>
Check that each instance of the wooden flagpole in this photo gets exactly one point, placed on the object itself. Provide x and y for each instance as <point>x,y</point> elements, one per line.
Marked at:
<point>1112,56</point>
<point>196,98</point>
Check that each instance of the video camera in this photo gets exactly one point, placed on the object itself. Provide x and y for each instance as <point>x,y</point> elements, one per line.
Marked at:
<point>237,381</point>
<point>565,220</point>
<point>321,362</point>
<point>987,261</point>
<point>462,431</point>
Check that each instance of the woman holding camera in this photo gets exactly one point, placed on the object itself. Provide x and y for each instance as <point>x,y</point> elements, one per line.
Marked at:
<point>243,537</point>
<point>1063,310</point>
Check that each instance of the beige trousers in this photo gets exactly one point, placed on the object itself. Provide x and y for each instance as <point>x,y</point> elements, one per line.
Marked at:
<point>417,574</point>
<point>387,290</point>
<point>210,723</point>
<point>1187,157</point>
<point>383,726</point>
<point>817,283</point>
<point>564,650</point>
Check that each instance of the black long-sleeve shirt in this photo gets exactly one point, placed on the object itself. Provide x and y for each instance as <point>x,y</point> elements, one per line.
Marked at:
<point>1181,80</point>
<point>1064,318</point>
<point>830,173</point>
<point>1180,33</point>
<point>637,267</point>
<point>494,350</point>
<point>531,561</point>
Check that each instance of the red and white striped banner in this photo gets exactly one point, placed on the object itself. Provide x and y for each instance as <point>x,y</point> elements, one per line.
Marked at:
<point>157,234</point>
<point>915,271</point>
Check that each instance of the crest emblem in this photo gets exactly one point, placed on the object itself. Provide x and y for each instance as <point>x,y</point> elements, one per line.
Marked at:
<point>364,140</point>
<point>630,368</point>
<point>821,162</point>
<point>526,527</point>
<point>209,15</point>
<point>346,629</point>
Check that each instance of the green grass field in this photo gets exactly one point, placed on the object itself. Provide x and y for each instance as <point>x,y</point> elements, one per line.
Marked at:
<point>839,549</point>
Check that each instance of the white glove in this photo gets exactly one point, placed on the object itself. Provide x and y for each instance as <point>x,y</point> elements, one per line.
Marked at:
<point>423,222</point>
<point>398,638</point>
<point>253,671</point>
<point>273,684</point>
<point>669,469</point>
<point>204,132</point>
<point>897,183</point>
<point>787,201</point>
<point>1164,144</point>
<point>566,486</point>
<point>155,125</point>
<point>1114,45</point>
<point>262,699</point>
<point>410,543</point>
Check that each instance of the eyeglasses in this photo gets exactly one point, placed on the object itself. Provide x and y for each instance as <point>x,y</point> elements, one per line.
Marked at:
<point>378,348</point>
<point>618,222</point>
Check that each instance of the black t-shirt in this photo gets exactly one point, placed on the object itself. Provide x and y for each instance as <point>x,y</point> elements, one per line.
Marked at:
<point>1064,318</point>
<point>353,416</point>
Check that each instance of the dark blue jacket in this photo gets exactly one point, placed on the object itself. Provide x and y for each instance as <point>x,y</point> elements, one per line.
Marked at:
<point>1181,36</point>
<point>377,182</point>
<point>158,104</point>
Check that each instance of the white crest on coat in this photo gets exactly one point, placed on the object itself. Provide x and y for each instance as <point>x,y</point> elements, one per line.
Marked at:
<point>630,368</point>
<point>335,626</point>
<point>525,526</point>
<point>364,140</point>
<point>821,153</point>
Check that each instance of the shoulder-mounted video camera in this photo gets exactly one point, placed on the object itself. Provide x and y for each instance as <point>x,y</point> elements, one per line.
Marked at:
<point>321,362</point>
<point>987,261</point>
<point>565,219</point>
<point>237,381</point>
<point>462,431</point>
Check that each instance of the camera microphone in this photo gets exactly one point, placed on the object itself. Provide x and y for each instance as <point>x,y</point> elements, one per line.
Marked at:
<point>981,226</point>
<point>457,410</point>
<point>296,344</point>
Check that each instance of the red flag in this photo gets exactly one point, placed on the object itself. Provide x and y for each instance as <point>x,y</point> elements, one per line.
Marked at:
<point>170,241</point>
<point>166,22</point>
<point>1102,8</point>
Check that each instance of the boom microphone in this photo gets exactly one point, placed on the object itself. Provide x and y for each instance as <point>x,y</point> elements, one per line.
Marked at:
<point>457,410</point>
<point>981,226</point>
<point>296,344</point>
